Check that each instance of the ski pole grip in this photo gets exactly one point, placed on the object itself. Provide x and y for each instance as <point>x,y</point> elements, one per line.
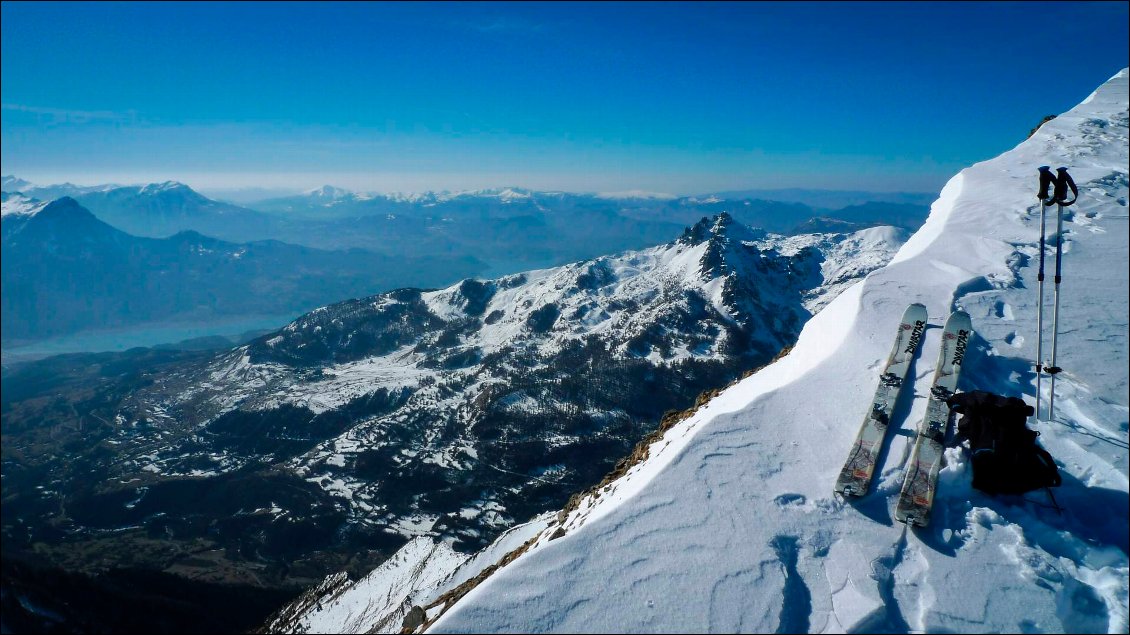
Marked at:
<point>1064,181</point>
<point>1047,182</point>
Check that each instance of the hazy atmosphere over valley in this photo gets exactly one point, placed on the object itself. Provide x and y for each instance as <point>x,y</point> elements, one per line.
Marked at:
<point>564,317</point>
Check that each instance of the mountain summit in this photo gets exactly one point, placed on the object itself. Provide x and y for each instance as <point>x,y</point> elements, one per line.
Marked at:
<point>731,525</point>
<point>728,522</point>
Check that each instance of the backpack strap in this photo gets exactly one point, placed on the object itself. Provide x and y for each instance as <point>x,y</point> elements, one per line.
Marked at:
<point>1055,503</point>
<point>1050,467</point>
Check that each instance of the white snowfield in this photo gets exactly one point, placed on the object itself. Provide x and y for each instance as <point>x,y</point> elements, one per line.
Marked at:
<point>417,574</point>
<point>16,203</point>
<point>731,524</point>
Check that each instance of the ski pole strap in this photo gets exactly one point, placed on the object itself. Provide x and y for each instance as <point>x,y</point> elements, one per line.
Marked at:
<point>1062,182</point>
<point>1047,182</point>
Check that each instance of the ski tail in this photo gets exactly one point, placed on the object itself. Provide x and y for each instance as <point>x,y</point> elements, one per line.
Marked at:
<point>855,476</point>
<point>916,498</point>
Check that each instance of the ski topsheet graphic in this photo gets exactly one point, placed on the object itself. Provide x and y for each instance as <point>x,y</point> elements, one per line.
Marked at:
<point>917,495</point>
<point>856,475</point>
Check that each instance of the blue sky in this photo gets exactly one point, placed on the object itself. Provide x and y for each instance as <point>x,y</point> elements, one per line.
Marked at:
<point>679,98</point>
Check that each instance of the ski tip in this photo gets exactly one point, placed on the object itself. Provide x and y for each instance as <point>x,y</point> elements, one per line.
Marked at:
<point>959,321</point>
<point>916,309</point>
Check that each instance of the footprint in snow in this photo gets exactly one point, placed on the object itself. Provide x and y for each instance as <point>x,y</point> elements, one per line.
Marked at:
<point>790,500</point>
<point>1003,310</point>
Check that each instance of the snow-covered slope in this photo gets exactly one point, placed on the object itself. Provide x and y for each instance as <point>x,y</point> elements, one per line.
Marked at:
<point>16,203</point>
<point>731,525</point>
<point>847,257</point>
<point>482,411</point>
<point>419,573</point>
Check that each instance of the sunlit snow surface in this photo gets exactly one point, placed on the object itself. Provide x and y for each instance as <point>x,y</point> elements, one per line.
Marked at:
<point>613,300</point>
<point>731,524</point>
<point>16,203</point>
<point>419,573</point>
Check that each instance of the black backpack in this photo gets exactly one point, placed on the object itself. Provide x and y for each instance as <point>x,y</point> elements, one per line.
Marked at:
<point>1006,457</point>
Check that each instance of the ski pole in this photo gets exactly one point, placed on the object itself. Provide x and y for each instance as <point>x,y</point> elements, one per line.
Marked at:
<point>1063,181</point>
<point>1047,180</point>
<point>1053,370</point>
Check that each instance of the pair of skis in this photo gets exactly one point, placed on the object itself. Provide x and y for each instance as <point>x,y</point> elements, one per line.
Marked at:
<point>917,494</point>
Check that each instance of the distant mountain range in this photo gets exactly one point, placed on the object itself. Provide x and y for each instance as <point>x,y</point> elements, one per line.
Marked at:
<point>511,229</point>
<point>831,199</point>
<point>65,271</point>
<point>340,244</point>
<point>158,210</point>
<point>756,208</point>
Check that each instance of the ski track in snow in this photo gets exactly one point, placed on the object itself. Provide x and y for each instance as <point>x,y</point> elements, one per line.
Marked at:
<point>730,524</point>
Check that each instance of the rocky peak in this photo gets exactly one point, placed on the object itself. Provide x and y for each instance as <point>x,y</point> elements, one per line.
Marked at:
<point>697,233</point>
<point>725,239</point>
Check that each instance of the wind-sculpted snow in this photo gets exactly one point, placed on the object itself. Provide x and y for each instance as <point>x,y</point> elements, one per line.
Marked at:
<point>730,524</point>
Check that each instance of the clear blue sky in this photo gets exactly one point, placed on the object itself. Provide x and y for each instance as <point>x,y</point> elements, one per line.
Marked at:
<point>680,98</point>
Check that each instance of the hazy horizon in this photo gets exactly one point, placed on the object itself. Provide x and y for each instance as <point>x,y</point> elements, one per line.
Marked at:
<point>259,192</point>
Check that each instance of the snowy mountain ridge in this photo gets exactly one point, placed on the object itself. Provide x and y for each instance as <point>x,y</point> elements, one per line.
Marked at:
<point>454,413</point>
<point>730,523</point>
<point>481,352</point>
<point>16,203</point>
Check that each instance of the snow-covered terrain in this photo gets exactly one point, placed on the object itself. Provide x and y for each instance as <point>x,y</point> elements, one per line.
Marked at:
<point>480,377</point>
<point>416,576</point>
<point>730,523</point>
<point>16,203</point>
<point>447,414</point>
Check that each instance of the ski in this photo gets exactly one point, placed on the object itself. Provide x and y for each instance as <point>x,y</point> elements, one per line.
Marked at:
<point>917,495</point>
<point>855,477</point>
